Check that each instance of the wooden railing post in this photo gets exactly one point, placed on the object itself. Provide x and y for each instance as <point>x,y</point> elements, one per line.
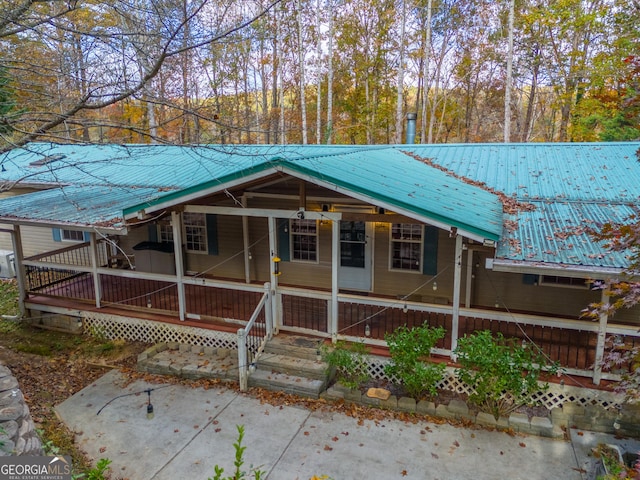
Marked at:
<point>243,368</point>
<point>600,344</point>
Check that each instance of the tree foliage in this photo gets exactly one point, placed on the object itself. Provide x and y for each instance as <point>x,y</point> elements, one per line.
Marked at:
<point>220,71</point>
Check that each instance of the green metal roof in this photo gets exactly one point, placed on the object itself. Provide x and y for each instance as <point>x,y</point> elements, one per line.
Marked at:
<point>460,185</point>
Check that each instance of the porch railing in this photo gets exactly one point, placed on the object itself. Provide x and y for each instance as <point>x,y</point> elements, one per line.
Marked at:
<point>253,337</point>
<point>571,342</point>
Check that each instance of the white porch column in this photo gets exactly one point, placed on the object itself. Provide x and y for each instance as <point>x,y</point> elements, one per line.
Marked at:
<point>602,336</point>
<point>176,227</point>
<point>93,253</point>
<point>335,258</point>
<point>276,303</point>
<point>467,291</point>
<point>245,241</point>
<point>16,239</point>
<point>457,281</point>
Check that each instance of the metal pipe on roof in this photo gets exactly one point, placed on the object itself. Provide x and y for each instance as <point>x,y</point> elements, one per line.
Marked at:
<point>411,127</point>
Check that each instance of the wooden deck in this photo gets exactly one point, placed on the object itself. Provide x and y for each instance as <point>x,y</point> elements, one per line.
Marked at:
<point>223,308</point>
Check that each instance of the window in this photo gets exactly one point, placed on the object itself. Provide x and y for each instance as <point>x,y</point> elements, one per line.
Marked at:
<point>574,282</point>
<point>72,235</point>
<point>195,231</point>
<point>165,232</point>
<point>406,247</point>
<point>304,240</point>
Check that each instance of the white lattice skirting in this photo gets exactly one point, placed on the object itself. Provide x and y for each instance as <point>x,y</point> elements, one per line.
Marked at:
<point>113,327</point>
<point>555,396</point>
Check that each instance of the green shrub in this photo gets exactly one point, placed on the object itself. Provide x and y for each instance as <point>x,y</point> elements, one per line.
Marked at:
<point>503,373</point>
<point>349,360</point>
<point>410,349</point>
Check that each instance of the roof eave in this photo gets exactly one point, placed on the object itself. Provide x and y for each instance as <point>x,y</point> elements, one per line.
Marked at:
<point>556,269</point>
<point>103,228</point>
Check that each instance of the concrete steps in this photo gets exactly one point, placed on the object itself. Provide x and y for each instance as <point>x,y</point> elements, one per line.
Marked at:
<point>290,364</point>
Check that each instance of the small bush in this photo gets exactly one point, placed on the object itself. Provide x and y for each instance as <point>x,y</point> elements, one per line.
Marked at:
<point>349,361</point>
<point>410,349</point>
<point>238,474</point>
<point>503,373</point>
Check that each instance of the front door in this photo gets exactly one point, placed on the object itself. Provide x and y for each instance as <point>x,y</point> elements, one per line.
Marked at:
<point>354,271</point>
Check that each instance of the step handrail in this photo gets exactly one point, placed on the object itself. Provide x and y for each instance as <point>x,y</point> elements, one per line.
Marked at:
<point>244,362</point>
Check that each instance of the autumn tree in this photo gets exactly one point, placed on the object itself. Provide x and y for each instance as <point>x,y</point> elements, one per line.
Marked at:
<point>68,60</point>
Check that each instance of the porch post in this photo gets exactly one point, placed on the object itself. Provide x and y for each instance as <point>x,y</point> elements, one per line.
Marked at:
<point>467,292</point>
<point>335,257</point>
<point>602,336</point>
<point>177,249</point>
<point>93,253</point>
<point>276,299</point>
<point>457,280</point>
<point>245,241</point>
<point>16,239</point>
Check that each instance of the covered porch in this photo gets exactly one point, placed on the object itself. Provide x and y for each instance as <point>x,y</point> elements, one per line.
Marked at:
<point>83,278</point>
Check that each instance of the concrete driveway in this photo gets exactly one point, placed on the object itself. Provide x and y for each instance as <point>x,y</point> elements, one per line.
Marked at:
<point>194,429</point>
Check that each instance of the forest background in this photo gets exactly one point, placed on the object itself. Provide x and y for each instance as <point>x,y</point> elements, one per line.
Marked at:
<point>318,71</point>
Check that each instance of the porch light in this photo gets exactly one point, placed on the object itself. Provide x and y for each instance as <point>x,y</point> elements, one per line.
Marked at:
<point>405,309</point>
<point>435,286</point>
<point>148,301</point>
<point>367,330</point>
<point>276,266</point>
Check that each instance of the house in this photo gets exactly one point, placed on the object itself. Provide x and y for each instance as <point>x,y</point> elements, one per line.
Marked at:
<point>330,241</point>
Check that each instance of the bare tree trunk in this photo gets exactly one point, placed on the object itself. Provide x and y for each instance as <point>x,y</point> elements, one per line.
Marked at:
<point>400,81</point>
<point>301,63</point>
<point>283,136</point>
<point>509,79</point>
<point>329,130</point>
<point>528,119</point>
<point>426,83</point>
<point>319,74</point>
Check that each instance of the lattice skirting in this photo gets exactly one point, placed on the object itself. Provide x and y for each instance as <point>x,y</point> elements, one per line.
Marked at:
<point>555,396</point>
<point>113,328</point>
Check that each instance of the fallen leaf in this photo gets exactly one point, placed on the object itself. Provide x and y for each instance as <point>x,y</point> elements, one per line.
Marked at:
<point>522,444</point>
<point>306,433</point>
<point>103,449</point>
<point>455,442</point>
<point>328,448</point>
<point>335,439</point>
<point>434,455</point>
<point>217,430</point>
<point>403,473</point>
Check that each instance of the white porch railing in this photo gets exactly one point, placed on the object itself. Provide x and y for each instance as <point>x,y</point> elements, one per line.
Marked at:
<point>253,338</point>
<point>67,275</point>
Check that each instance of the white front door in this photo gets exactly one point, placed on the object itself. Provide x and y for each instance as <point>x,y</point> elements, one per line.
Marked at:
<point>356,241</point>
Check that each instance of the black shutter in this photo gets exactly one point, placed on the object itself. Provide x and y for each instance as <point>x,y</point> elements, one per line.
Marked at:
<point>430,253</point>
<point>212,234</point>
<point>284,248</point>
